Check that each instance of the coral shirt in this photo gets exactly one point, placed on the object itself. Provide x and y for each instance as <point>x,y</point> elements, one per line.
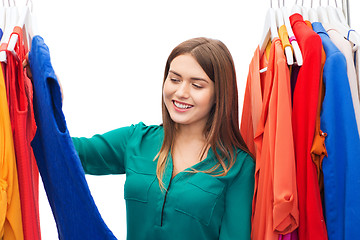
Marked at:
<point>305,101</point>
<point>275,208</point>
<point>252,101</point>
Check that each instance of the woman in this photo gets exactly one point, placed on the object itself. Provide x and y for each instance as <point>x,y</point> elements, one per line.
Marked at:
<point>192,177</point>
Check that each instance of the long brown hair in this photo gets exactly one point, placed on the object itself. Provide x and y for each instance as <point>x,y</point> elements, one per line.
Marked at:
<point>222,128</point>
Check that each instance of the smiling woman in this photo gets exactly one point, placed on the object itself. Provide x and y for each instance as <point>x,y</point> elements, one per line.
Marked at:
<point>109,56</point>
<point>192,176</point>
<point>188,99</point>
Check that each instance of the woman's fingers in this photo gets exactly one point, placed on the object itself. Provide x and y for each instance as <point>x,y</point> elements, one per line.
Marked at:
<point>26,65</point>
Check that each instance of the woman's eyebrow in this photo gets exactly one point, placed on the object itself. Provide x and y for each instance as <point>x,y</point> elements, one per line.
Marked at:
<point>172,71</point>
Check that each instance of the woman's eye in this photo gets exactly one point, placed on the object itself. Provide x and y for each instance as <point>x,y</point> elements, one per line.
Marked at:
<point>197,86</point>
<point>174,80</point>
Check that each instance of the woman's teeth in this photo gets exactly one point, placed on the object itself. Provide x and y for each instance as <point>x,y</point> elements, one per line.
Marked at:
<point>182,106</point>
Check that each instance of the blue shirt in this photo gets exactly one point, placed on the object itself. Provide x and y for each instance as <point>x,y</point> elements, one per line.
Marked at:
<point>341,167</point>
<point>73,207</point>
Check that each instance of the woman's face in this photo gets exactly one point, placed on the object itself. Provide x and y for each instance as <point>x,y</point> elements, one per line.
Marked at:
<point>188,92</point>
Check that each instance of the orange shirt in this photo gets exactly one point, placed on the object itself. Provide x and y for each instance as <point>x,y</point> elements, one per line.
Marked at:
<point>318,149</point>
<point>308,23</point>
<point>275,205</point>
<point>252,101</point>
<point>10,213</point>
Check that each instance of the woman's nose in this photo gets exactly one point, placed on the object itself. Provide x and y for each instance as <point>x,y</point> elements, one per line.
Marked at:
<point>183,90</point>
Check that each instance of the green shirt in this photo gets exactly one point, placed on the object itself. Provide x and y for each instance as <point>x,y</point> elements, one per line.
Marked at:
<point>195,205</point>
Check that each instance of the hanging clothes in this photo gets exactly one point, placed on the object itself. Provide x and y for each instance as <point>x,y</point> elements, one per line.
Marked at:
<point>24,127</point>
<point>284,37</point>
<point>74,210</point>
<point>318,148</point>
<point>341,178</point>
<point>275,207</point>
<point>305,100</point>
<point>345,48</point>
<point>252,106</point>
<point>10,216</point>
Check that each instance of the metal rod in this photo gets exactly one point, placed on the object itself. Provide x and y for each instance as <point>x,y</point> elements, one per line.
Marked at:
<point>346,10</point>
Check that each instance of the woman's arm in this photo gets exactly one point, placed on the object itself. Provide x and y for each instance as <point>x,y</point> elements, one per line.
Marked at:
<point>104,154</point>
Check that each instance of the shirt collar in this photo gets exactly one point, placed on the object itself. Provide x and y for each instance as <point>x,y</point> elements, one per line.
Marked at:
<point>318,28</point>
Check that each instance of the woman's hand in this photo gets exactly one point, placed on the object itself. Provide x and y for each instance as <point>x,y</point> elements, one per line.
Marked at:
<point>26,65</point>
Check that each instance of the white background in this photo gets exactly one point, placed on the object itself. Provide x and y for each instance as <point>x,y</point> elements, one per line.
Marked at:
<point>110,56</point>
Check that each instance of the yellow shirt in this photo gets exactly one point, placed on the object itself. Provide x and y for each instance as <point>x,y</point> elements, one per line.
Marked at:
<point>10,209</point>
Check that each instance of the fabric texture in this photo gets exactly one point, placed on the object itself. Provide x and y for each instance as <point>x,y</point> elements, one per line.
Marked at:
<point>10,216</point>
<point>24,128</point>
<point>275,206</point>
<point>196,205</point>
<point>340,167</point>
<point>73,207</point>
<point>318,148</point>
<point>305,102</point>
<point>345,48</point>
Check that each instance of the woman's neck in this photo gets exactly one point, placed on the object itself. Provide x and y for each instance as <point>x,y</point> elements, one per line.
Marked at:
<point>190,133</point>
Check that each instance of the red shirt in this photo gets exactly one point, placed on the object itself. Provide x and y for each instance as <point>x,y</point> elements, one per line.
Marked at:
<point>305,100</point>
<point>24,128</point>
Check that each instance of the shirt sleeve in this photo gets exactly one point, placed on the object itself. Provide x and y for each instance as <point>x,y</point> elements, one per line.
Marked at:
<point>104,154</point>
<point>236,223</point>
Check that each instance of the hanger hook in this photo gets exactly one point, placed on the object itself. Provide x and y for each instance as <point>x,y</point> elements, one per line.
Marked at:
<point>31,6</point>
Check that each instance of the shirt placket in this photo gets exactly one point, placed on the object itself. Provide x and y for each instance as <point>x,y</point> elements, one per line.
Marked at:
<point>163,196</point>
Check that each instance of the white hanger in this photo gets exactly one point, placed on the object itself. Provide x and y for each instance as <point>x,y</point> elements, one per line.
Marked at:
<point>294,43</point>
<point>7,22</point>
<point>14,38</point>
<point>323,16</point>
<point>332,14</point>
<point>341,16</point>
<point>343,29</point>
<point>11,19</point>
<point>296,9</point>
<point>304,11</point>
<point>26,22</point>
<point>2,17</point>
<point>313,17</point>
<point>270,29</point>
<point>280,22</point>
